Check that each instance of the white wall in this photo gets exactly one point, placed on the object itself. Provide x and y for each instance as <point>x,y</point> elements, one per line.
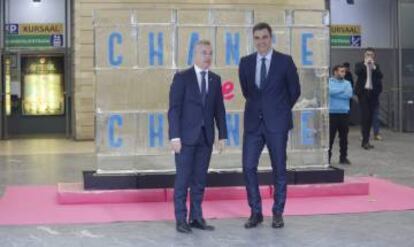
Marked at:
<point>27,11</point>
<point>376,18</point>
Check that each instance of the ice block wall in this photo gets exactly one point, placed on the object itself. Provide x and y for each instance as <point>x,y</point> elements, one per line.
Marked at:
<point>138,51</point>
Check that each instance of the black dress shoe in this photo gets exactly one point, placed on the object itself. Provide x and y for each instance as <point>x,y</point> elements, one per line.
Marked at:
<point>367,146</point>
<point>253,221</point>
<point>183,227</point>
<point>277,221</point>
<point>344,161</point>
<point>201,224</point>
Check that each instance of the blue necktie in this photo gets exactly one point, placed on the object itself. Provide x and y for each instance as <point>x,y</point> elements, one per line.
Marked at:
<point>262,72</point>
<point>203,86</point>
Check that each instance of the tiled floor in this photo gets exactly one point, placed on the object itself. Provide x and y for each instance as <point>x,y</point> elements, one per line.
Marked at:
<point>49,161</point>
<point>44,146</point>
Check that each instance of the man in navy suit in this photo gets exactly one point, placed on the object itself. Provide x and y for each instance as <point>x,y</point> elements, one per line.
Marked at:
<point>196,102</point>
<point>270,85</point>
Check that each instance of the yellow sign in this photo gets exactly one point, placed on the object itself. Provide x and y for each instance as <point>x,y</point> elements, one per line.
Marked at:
<point>346,36</point>
<point>345,30</point>
<point>49,28</point>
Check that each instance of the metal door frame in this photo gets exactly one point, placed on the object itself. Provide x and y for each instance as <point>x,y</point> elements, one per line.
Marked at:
<point>2,21</point>
<point>4,130</point>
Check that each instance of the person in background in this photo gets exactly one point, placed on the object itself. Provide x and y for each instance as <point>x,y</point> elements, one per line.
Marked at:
<point>376,123</point>
<point>348,73</point>
<point>340,92</point>
<point>349,77</point>
<point>368,89</point>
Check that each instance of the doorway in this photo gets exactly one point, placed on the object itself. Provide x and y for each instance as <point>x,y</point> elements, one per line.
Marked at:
<point>34,100</point>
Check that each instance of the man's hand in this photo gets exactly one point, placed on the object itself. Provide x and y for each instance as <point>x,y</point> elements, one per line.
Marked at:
<point>176,146</point>
<point>369,62</point>
<point>220,145</point>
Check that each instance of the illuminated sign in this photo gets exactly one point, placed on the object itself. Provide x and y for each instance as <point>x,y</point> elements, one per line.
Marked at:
<point>346,35</point>
<point>34,35</point>
<point>42,87</point>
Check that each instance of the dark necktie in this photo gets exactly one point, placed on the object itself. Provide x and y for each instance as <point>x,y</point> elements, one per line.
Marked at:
<point>262,72</point>
<point>203,86</point>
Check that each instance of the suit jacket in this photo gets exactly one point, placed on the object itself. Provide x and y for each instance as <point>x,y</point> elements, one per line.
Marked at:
<point>186,113</point>
<point>361,72</point>
<point>274,102</point>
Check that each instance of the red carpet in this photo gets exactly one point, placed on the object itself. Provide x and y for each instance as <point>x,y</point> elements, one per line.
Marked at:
<point>39,205</point>
<point>73,193</point>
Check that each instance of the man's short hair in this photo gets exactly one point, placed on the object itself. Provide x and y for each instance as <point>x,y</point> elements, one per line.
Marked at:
<point>370,49</point>
<point>261,26</point>
<point>336,67</point>
<point>203,42</point>
<point>346,65</point>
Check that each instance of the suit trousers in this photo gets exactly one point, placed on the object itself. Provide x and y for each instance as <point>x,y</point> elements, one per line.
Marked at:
<point>191,173</point>
<point>253,144</point>
<point>367,105</point>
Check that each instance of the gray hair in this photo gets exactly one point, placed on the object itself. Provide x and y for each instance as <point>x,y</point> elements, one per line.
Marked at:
<point>203,42</point>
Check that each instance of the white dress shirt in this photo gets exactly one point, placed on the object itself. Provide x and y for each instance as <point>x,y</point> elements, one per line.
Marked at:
<point>198,71</point>
<point>268,57</point>
<point>370,69</point>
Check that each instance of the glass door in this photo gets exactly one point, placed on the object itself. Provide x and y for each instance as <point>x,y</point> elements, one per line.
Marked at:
<point>33,95</point>
<point>406,35</point>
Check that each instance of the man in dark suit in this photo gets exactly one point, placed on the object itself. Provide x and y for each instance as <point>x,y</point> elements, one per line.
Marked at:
<point>368,88</point>
<point>270,84</point>
<point>196,101</point>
